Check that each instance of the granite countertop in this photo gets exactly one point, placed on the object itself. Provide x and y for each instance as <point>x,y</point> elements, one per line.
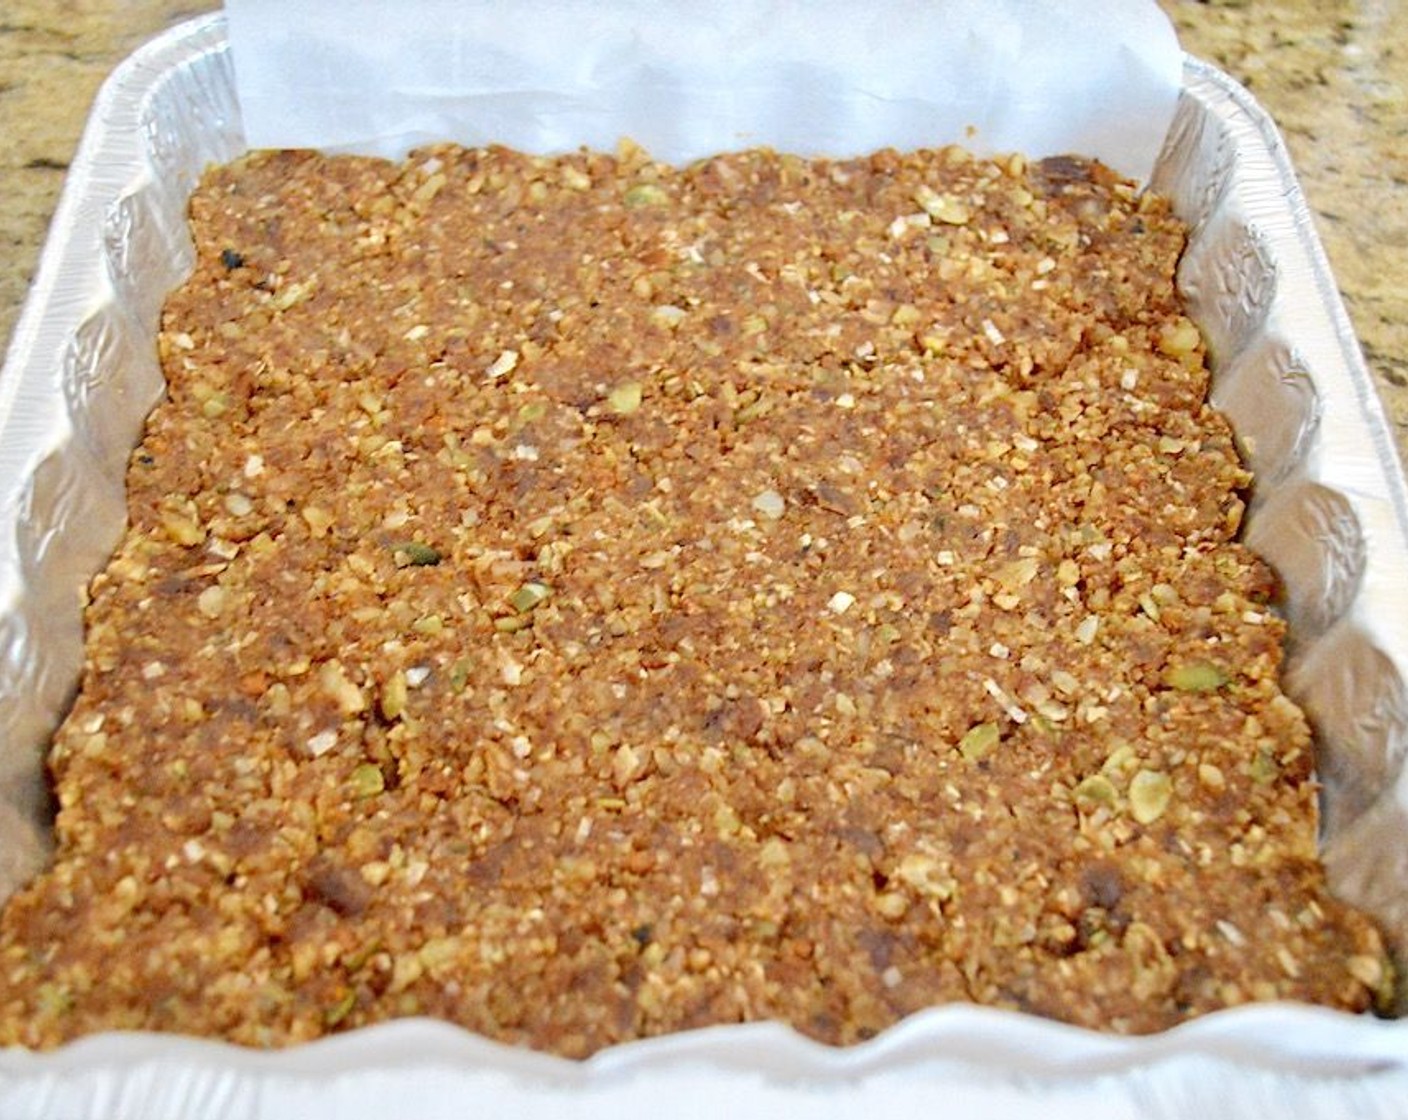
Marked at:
<point>1333,74</point>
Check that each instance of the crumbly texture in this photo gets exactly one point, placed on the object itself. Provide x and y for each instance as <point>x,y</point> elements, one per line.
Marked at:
<point>584,599</point>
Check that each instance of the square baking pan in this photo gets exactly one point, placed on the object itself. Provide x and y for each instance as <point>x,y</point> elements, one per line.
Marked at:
<point>1329,511</point>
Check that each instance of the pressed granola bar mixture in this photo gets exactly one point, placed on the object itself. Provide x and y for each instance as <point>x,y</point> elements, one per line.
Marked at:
<point>584,599</point>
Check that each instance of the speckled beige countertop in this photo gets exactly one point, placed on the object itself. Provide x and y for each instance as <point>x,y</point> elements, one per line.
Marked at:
<point>1333,73</point>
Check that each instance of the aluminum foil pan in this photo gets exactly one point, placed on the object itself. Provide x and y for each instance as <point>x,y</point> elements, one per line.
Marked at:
<point>1330,510</point>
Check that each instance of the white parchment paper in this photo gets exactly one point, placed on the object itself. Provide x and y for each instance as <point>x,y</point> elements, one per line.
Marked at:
<point>81,373</point>
<point>686,79</point>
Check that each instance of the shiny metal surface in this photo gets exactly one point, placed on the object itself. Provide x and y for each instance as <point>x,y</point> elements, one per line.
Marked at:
<point>1330,510</point>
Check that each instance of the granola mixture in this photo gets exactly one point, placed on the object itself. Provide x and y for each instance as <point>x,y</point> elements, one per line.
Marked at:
<point>583,599</point>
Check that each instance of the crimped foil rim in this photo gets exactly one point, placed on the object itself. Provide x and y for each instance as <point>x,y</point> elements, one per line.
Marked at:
<point>957,1042</point>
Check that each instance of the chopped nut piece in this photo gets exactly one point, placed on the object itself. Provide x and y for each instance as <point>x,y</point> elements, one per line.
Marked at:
<point>625,398</point>
<point>892,904</point>
<point>1180,338</point>
<point>1264,768</point>
<point>576,178</point>
<point>184,530</point>
<point>341,1009</point>
<point>1195,676</point>
<point>1149,794</point>
<point>211,601</point>
<point>416,554</point>
<point>528,596</point>
<point>978,741</point>
<point>770,504</point>
<point>366,781</point>
<point>1094,792</point>
<point>667,316</point>
<point>646,194</point>
<point>1018,573</point>
<point>394,696</point>
<point>926,875</point>
<point>319,520</point>
<point>1369,971</point>
<point>840,602</point>
<point>942,207</point>
<point>332,676</point>
<point>504,364</point>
